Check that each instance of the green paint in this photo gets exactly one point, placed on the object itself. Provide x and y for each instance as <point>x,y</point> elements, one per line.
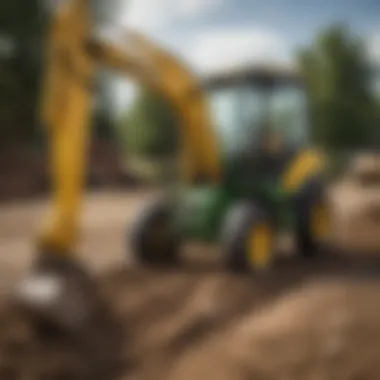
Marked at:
<point>199,211</point>
<point>248,172</point>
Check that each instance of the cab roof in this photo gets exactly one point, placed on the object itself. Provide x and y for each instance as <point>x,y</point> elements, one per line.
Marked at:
<point>265,73</point>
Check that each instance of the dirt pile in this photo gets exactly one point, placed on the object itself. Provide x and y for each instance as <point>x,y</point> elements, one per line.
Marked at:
<point>301,322</point>
<point>356,204</point>
<point>315,321</point>
<point>35,351</point>
<point>25,172</point>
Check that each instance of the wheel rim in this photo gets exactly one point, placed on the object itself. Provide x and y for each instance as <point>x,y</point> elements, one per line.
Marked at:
<point>260,246</point>
<point>320,222</point>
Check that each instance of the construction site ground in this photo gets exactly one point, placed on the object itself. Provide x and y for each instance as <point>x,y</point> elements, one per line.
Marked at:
<point>317,320</point>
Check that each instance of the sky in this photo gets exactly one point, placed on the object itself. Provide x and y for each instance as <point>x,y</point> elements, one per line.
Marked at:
<point>215,34</point>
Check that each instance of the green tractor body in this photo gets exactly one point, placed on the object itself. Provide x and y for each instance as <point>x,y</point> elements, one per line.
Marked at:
<point>262,121</point>
<point>245,107</point>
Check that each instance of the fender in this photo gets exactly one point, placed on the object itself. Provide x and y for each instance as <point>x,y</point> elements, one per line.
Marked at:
<point>306,165</point>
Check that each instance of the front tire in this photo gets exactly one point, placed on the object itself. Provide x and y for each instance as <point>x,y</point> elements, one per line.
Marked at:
<point>313,221</point>
<point>153,241</point>
<point>248,239</point>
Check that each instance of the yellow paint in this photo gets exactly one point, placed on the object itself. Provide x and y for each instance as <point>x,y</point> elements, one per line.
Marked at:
<point>320,222</point>
<point>158,70</point>
<point>306,163</point>
<point>66,107</point>
<point>260,246</point>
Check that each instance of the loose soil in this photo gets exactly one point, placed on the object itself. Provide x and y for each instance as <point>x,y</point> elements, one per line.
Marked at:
<point>308,321</point>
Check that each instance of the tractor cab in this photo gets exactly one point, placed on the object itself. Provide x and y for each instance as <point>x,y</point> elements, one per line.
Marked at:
<point>272,179</point>
<point>261,117</point>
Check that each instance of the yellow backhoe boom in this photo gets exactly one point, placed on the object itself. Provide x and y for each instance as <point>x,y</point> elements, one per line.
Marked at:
<point>73,56</point>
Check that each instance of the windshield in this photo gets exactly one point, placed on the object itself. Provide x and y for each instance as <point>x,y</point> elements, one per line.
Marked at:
<point>288,113</point>
<point>236,112</point>
<point>240,112</point>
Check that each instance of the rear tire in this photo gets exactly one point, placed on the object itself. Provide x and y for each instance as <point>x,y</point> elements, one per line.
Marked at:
<point>308,243</point>
<point>239,254</point>
<point>152,241</point>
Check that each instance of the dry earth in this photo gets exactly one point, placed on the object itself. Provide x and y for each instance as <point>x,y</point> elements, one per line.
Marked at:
<point>308,321</point>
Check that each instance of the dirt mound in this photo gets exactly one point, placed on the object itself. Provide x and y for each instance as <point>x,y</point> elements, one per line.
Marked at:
<point>314,321</point>
<point>35,351</point>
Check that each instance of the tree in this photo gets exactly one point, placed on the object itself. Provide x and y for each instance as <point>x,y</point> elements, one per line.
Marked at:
<point>103,123</point>
<point>150,127</point>
<point>105,13</point>
<point>376,83</point>
<point>22,26</point>
<point>338,76</point>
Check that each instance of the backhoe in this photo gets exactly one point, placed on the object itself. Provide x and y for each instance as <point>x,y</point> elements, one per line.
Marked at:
<point>247,168</point>
<point>271,178</point>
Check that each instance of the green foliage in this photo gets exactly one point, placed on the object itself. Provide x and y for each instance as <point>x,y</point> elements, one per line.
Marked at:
<point>338,76</point>
<point>104,12</point>
<point>150,127</point>
<point>102,124</point>
<point>22,25</point>
<point>377,95</point>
